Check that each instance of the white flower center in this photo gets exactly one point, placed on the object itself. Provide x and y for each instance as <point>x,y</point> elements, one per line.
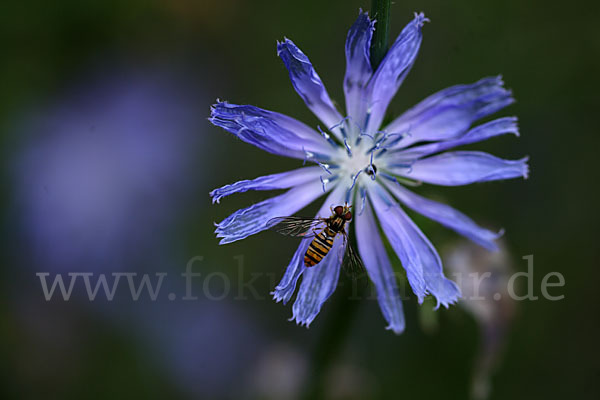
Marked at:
<point>358,165</point>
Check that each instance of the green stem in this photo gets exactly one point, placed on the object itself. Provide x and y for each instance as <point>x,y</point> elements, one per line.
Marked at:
<point>380,10</point>
<point>334,333</point>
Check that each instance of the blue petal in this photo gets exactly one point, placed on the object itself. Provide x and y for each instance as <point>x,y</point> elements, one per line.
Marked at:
<point>464,167</point>
<point>398,238</point>
<point>251,220</point>
<point>379,268</point>
<point>282,180</point>
<point>271,131</point>
<point>419,258</point>
<point>358,66</point>
<point>392,71</point>
<point>450,112</point>
<point>446,216</point>
<point>320,281</point>
<point>287,285</point>
<point>308,84</point>
<point>480,133</point>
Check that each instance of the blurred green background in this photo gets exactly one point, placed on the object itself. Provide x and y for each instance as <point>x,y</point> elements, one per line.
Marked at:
<point>109,158</point>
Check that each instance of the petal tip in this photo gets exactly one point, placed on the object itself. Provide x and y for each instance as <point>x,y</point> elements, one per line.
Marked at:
<point>301,322</point>
<point>277,296</point>
<point>420,19</point>
<point>525,167</point>
<point>396,328</point>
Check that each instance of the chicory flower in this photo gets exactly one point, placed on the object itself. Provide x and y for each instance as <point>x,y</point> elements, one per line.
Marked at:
<point>367,164</point>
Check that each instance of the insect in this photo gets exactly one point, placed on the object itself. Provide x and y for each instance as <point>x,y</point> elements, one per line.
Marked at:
<point>322,243</point>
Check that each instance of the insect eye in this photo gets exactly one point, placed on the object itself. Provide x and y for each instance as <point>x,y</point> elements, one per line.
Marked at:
<point>348,216</point>
<point>338,210</point>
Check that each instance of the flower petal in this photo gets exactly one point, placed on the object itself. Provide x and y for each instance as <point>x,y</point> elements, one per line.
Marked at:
<point>251,220</point>
<point>450,112</point>
<point>480,133</point>
<point>379,268</point>
<point>446,216</point>
<point>358,66</point>
<point>419,258</point>
<point>285,289</point>
<point>320,281</point>
<point>464,167</point>
<point>283,180</point>
<point>308,84</point>
<point>391,72</point>
<point>271,131</point>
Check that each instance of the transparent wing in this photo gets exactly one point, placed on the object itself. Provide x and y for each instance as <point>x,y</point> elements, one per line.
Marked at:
<point>295,226</point>
<point>352,262</point>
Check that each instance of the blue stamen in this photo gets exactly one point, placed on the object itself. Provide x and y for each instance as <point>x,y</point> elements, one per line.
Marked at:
<point>367,135</point>
<point>384,137</point>
<point>339,124</point>
<point>325,167</point>
<point>354,179</point>
<point>348,148</point>
<point>327,137</point>
<point>348,195</point>
<point>324,182</point>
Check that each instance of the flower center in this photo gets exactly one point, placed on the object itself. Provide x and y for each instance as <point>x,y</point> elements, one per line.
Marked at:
<point>359,163</point>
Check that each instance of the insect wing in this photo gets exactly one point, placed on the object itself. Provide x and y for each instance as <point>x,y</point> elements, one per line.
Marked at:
<point>294,226</point>
<point>352,262</point>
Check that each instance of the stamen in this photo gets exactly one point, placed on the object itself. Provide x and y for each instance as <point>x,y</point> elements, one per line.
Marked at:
<point>367,135</point>
<point>400,137</point>
<point>326,167</point>
<point>344,133</point>
<point>327,137</point>
<point>348,148</point>
<point>339,124</point>
<point>380,141</point>
<point>354,178</point>
<point>360,130</point>
<point>348,196</point>
<point>324,182</point>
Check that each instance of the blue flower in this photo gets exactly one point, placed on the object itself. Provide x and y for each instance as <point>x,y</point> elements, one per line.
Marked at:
<point>360,161</point>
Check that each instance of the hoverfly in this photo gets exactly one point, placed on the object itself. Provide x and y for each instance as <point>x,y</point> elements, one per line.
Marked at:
<point>324,231</point>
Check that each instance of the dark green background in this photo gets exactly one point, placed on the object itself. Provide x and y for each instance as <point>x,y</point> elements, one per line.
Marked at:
<point>547,52</point>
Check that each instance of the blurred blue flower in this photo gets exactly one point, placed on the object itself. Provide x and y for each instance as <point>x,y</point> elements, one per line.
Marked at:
<point>361,162</point>
<point>100,175</point>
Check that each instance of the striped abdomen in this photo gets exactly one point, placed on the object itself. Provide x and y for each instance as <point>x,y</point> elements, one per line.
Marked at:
<point>319,247</point>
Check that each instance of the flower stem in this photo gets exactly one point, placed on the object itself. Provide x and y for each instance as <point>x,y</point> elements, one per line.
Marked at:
<point>334,334</point>
<point>380,10</point>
